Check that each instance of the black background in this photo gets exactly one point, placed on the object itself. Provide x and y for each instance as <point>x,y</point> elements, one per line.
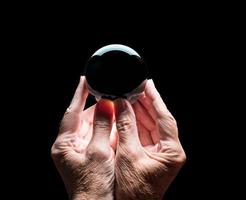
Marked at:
<point>186,52</point>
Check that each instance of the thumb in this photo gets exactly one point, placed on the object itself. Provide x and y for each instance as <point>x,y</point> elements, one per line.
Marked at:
<point>126,125</point>
<point>102,125</point>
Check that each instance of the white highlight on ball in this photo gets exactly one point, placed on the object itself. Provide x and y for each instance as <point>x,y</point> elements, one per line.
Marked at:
<point>116,47</point>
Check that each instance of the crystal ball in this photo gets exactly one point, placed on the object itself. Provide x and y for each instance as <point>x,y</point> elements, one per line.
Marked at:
<point>116,71</point>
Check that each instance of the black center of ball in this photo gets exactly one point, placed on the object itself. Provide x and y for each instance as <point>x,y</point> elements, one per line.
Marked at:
<point>115,72</point>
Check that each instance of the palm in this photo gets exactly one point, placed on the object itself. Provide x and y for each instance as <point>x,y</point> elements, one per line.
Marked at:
<point>158,133</point>
<point>151,129</point>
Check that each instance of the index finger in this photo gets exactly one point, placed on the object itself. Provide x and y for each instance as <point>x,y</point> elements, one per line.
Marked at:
<point>79,99</point>
<point>153,102</point>
<point>156,107</point>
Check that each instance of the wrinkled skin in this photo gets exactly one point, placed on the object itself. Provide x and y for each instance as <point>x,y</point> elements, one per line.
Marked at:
<point>149,154</point>
<point>115,149</point>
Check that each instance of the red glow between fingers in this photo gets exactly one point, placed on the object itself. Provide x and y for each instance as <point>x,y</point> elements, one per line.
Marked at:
<point>105,109</point>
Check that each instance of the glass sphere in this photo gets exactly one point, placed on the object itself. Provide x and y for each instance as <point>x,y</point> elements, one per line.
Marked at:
<point>116,71</point>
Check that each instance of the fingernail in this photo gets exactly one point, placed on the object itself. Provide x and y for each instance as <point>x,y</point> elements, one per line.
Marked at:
<point>151,82</point>
<point>82,78</point>
<point>120,106</point>
<point>105,108</point>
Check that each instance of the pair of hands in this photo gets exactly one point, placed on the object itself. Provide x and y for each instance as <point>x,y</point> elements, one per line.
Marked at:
<point>118,150</point>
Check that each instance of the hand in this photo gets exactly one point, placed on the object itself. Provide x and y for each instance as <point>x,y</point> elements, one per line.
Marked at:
<point>82,152</point>
<point>149,154</point>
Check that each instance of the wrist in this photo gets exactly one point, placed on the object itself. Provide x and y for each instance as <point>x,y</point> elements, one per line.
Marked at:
<point>87,195</point>
<point>140,193</point>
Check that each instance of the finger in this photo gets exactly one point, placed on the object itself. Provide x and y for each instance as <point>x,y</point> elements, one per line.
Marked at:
<point>102,124</point>
<point>79,99</point>
<point>158,110</point>
<point>147,104</point>
<point>85,131</point>
<point>144,135</point>
<point>71,121</point>
<point>155,135</point>
<point>113,137</point>
<point>143,116</point>
<point>153,101</point>
<point>126,125</point>
<point>88,114</point>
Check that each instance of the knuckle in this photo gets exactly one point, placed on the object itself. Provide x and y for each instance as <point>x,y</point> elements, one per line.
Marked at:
<point>97,154</point>
<point>68,112</point>
<point>54,152</point>
<point>176,156</point>
<point>58,149</point>
<point>173,120</point>
<point>124,125</point>
<point>180,157</point>
<point>101,125</point>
